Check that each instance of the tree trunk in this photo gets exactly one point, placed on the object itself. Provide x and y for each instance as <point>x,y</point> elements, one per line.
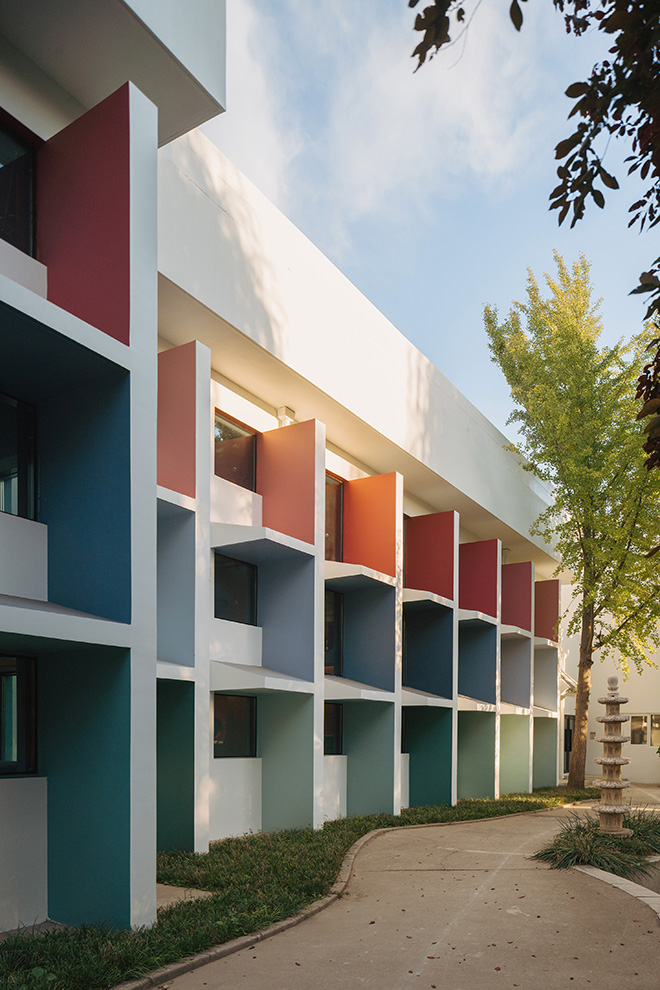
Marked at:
<point>579,753</point>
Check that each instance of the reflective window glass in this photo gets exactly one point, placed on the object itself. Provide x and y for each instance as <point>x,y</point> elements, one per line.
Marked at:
<point>235,452</point>
<point>234,726</point>
<point>638,730</point>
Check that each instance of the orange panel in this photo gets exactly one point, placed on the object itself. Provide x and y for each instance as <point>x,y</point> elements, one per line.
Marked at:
<point>286,465</point>
<point>547,609</point>
<point>517,580</point>
<point>177,377</point>
<point>477,576</point>
<point>430,553</point>
<point>370,522</point>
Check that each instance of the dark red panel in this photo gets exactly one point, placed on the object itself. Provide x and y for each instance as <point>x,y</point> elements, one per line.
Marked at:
<point>177,376</point>
<point>430,553</point>
<point>477,576</point>
<point>517,580</point>
<point>370,518</point>
<point>286,460</point>
<point>547,609</point>
<point>83,216</point>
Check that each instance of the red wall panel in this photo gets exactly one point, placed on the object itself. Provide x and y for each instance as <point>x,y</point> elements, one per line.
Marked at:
<point>517,581</point>
<point>83,216</point>
<point>177,375</point>
<point>430,553</point>
<point>286,463</point>
<point>370,518</point>
<point>477,576</point>
<point>547,609</point>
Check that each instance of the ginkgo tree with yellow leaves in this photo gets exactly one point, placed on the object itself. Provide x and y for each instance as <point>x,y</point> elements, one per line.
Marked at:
<point>575,410</point>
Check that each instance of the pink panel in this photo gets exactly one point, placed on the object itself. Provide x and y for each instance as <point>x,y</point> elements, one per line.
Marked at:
<point>477,576</point>
<point>177,382</point>
<point>430,553</point>
<point>370,522</point>
<point>83,216</point>
<point>517,580</point>
<point>547,609</point>
<point>286,464</point>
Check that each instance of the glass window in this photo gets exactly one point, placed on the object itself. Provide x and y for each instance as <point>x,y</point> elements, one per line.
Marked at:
<point>16,192</point>
<point>234,725</point>
<point>655,730</point>
<point>333,729</point>
<point>334,517</point>
<point>334,633</point>
<point>235,590</point>
<point>638,730</point>
<point>17,457</point>
<point>404,731</point>
<point>17,715</point>
<point>235,452</point>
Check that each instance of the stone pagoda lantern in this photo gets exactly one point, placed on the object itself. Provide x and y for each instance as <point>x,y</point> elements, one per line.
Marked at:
<point>611,809</point>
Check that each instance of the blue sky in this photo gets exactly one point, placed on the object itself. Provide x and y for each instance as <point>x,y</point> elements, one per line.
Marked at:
<point>428,190</point>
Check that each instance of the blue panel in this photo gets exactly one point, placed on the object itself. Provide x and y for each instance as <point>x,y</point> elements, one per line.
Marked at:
<point>285,611</point>
<point>428,737</point>
<point>84,750</point>
<point>428,632</point>
<point>369,630</point>
<point>176,585</point>
<point>477,661</point>
<point>369,746</point>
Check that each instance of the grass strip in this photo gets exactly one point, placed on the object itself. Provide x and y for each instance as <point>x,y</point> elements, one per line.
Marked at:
<point>256,880</point>
<point>581,843</point>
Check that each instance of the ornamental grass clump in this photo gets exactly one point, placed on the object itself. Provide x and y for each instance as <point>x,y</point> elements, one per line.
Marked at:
<point>581,843</point>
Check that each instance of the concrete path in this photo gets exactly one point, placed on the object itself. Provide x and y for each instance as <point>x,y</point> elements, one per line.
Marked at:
<point>458,907</point>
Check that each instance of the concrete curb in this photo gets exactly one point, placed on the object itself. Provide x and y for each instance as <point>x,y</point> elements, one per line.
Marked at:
<point>172,970</point>
<point>627,886</point>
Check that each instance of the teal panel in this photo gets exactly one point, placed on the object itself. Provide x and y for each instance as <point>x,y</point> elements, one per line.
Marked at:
<point>285,743</point>
<point>175,780</point>
<point>428,737</point>
<point>514,754</point>
<point>84,750</point>
<point>545,752</point>
<point>476,754</point>
<point>369,746</point>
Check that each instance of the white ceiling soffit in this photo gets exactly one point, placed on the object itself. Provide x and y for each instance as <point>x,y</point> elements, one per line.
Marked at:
<point>91,49</point>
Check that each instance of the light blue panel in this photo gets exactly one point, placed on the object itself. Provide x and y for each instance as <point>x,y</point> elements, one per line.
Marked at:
<point>84,734</point>
<point>428,648</point>
<point>545,752</point>
<point>476,754</point>
<point>176,585</point>
<point>83,437</point>
<point>477,661</point>
<point>285,743</point>
<point>285,611</point>
<point>369,636</point>
<point>514,754</point>
<point>369,746</point>
<point>175,749</point>
<point>428,735</point>
<point>545,678</point>
<point>517,671</point>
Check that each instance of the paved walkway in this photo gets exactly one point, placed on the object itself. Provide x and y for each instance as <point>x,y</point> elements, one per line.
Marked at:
<point>459,907</point>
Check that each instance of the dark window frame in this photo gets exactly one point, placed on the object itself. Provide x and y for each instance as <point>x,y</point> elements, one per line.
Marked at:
<point>24,237</point>
<point>24,669</point>
<point>246,752</point>
<point>333,742</point>
<point>26,457</point>
<point>247,476</point>
<point>334,541</point>
<point>338,633</point>
<point>247,609</point>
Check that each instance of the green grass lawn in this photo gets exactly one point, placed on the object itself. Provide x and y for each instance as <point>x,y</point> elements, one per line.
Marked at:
<point>256,880</point>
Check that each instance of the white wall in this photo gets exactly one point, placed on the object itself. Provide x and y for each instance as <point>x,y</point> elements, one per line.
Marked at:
<point>335,771</point>
<point>23,852</point>
<point>235,642</point>
<point>23,558</point>
<point>405,780</point>
<point>234,797</point>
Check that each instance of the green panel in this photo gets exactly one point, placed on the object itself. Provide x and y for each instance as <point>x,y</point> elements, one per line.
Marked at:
<point>514,754</point>
<point>369,746</point>
<point>84,750</point>
<point>428,737</point>
<point>476,754</point>
<point>285,743</point>
<point>175,741</point>
<point>545,752</point>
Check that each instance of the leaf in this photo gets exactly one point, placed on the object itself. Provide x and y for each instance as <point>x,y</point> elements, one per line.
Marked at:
<point>650,406</point>
<point>577,89</point>
<point>515,13</point>
<point>567,145</point>
<point>460,15</point>
<point>653,426</point>
<point>608,179</point>
<point>598,198</point>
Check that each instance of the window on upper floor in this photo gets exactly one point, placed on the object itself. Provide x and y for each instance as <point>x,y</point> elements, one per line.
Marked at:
<point>17,457</point>
<point>17,176</point>
<point>333,728</point>
<point>235,451</point>
<point>235,590</point>
<point>334,517</point>
<point>234,725</point>
<point>17,716</point>
<point>645,730</point>
<point>334,633</point>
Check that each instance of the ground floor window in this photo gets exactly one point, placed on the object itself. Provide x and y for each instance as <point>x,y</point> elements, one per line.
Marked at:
<point>234,725</point>
<point>645,730</point>
<point>333,729</point>
<point>17,716</point>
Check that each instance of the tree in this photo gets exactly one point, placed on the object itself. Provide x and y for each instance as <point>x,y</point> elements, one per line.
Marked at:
<point>574,404</point>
